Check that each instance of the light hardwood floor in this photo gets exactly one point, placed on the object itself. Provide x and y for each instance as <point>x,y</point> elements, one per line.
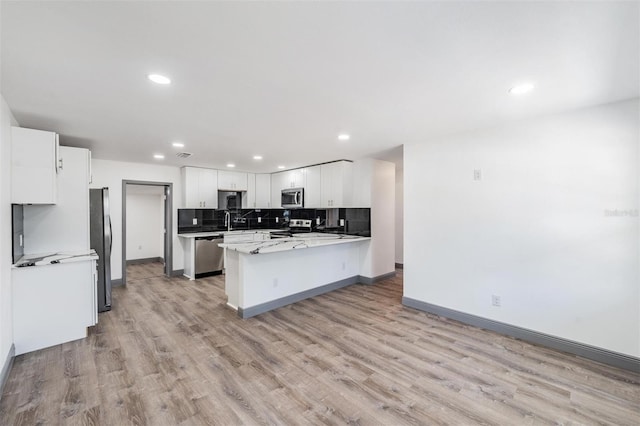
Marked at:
<point>171,352</point>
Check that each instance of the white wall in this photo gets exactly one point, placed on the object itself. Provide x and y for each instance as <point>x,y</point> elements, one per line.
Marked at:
<point>535,229</point>
<point>374,185</point>
<point>145,224</point>
<point>399,214</point>
<point>110,174</point>
<point>6,313</point>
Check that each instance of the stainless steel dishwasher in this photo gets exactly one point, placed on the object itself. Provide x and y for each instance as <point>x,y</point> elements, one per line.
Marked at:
<point>209,257</point>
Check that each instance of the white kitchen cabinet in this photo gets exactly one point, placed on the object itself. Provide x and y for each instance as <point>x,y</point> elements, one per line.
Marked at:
<point>249,197</point>
<point>258,195</point>
<point>336,184</point>
<point>200,188</point>
<point>34,166</point>
<point>313,187</point>
<point>263,191</point>
<point>232,181</point>
<point>53,304</point>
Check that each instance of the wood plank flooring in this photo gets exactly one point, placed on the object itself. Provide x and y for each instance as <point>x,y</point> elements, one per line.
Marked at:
<point>170,352</point>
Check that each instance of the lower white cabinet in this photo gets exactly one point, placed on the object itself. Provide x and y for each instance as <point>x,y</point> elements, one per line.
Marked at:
<point>53,304</point>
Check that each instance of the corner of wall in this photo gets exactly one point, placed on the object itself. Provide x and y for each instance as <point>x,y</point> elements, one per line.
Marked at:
<point>6,312</point>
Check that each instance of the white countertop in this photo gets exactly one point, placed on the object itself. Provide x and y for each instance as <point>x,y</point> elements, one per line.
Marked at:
<point>42,259</point>
<point>301,241</point>
<point>236,232</point>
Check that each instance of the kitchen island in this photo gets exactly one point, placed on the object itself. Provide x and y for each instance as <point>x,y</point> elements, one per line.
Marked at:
<point>265,275</point>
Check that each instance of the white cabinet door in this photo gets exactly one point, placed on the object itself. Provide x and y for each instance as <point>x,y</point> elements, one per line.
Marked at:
<point>208,188</point>
<point>263,191</point>
<point>34,163</point>
<point>232,181</point>
<point>297,178</point>
<point>336,184</point>
<point>312,189</point>
<point>199,188</point>
<point>249,197</point>
<point>190,196</point>
<point>278,183</point>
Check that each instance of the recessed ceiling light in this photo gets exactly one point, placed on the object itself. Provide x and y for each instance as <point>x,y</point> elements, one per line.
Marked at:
<point>231,165</point>
<point>178,144</point>
<point>521,89</point>
<point>257,157</point>
<point>159,79</point>
<point>158,156</point>
<point>343,137</point>
<point>281,167</point>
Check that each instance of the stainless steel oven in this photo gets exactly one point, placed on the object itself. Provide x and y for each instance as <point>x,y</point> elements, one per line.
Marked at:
<point>292,198</point>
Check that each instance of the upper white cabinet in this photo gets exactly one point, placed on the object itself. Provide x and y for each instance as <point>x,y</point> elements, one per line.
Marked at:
<point>200,188</point>
<point>263,191</point>
<point>312,189</point>
<point>34,165</point>
<point>232,181</point>
<point>336,184</point>
<point>249,197</point>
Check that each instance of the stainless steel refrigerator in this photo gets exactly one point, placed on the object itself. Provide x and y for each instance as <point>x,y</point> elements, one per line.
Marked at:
<point>101,242</point>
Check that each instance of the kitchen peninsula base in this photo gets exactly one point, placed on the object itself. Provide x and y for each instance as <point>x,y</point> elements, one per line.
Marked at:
<point>260,281</point>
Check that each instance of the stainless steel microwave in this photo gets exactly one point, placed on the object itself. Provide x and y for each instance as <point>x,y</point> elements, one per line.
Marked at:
<point>292,198</point>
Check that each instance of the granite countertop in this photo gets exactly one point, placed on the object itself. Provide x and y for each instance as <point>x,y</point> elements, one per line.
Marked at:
<point>301,241</point>
<point>236,232</point>
<point>42,259</point>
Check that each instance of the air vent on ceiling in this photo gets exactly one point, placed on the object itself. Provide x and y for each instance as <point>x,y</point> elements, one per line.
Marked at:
<point>184,154</point>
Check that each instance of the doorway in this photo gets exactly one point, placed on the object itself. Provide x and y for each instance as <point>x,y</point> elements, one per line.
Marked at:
<point>147,234</point>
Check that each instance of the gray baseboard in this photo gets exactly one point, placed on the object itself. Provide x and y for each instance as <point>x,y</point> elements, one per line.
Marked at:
<point>6,368</point>
<point>373,280</point>
<point>145,260</point>
<point>586,351</point>
<point>177,272</point>
<point>287,300</point>
<point>116,283</point>
<point>399,265</point>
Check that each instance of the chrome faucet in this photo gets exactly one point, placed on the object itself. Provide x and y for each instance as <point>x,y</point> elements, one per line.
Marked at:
<point>227,220</point>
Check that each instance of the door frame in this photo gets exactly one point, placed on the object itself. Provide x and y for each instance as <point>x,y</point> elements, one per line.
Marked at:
<point>168,224</point>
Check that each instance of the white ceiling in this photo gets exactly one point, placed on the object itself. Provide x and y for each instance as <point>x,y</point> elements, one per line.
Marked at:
<point>282,79</point>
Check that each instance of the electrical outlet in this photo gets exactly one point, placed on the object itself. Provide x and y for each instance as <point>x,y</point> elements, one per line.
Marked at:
<point>318,220</point>
<point>341,222</point>
<point>195,220</point>
<point>259,219</point>
<point>477,174</point>
<point>276,219</point>
<point>495,300</point>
